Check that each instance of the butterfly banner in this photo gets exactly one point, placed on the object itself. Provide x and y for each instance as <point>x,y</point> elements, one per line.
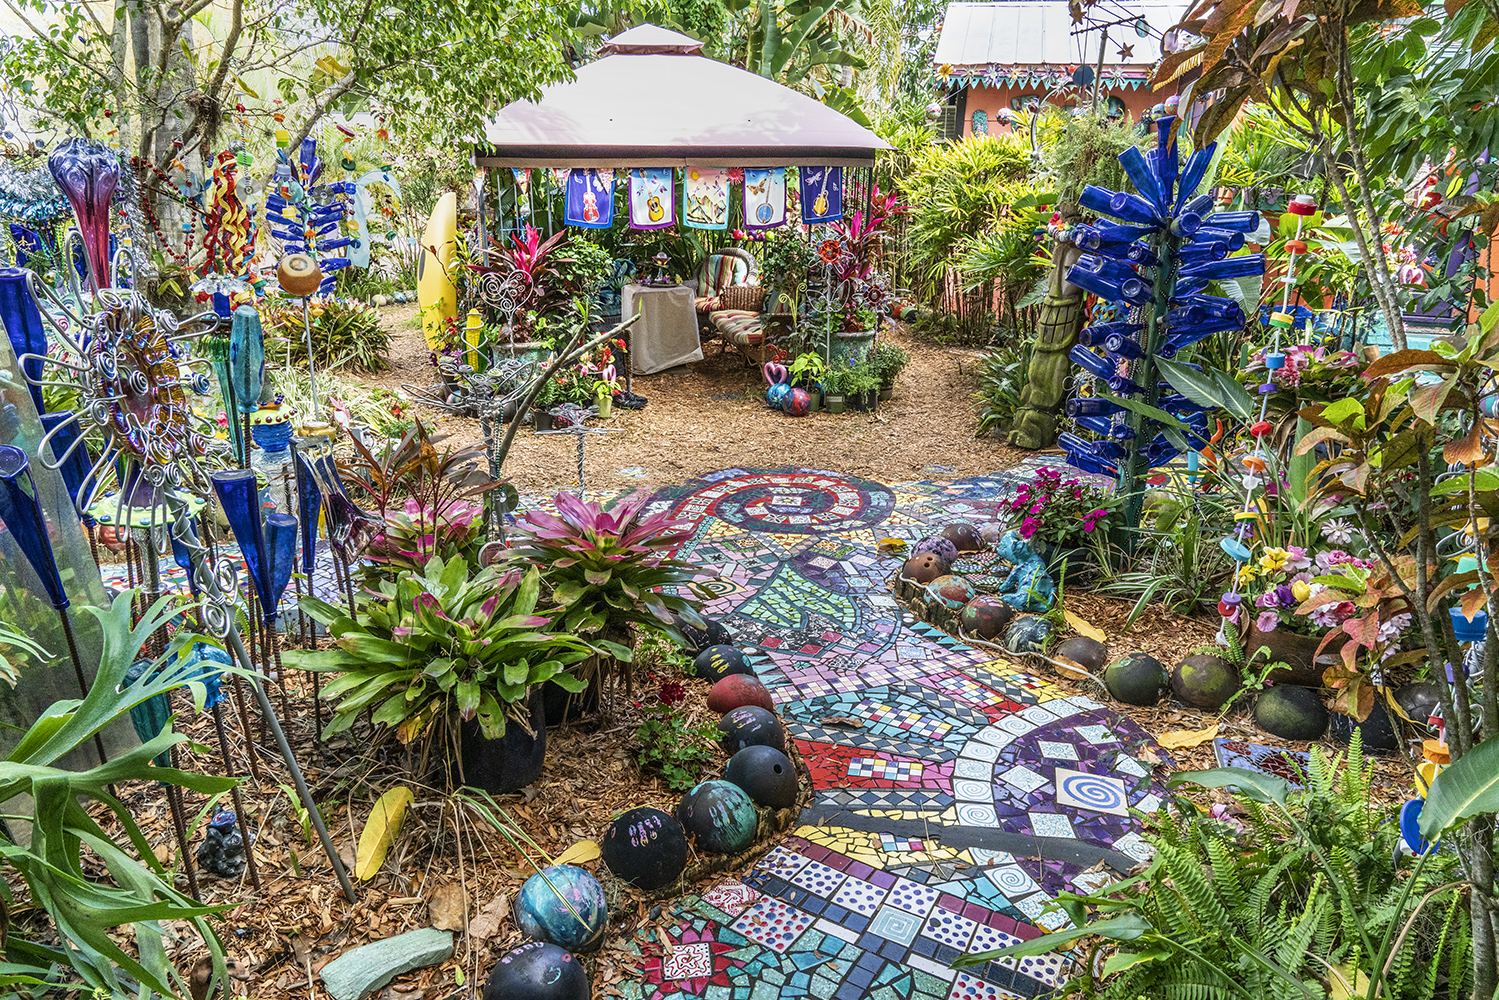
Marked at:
<point>822,194</point>
<point>764,198</point>
<point>590,199</point>
<point>705,197</point>
<point>651,203</point>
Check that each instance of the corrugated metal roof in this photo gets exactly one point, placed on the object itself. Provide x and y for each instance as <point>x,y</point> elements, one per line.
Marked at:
<point>1035,32</point>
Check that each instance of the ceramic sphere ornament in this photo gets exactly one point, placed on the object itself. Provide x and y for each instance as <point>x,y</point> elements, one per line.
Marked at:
<point>1090,654</point>
<point>712,633</point>
<point>299,275</point>
<point>717,662</point>
<point>952,592</point>
<point>776,394</point>
<point>750,726</point>
<point>765,774</point>
<point>565,905</point>
<point>645,847</point>
<point>964,536</point>
<point>924,567</point>
<point>538,970</point>
<point>1028,635</point>
<point>796,403</point>
<point>1136,679</point>
<point>992,532</point>
<point>986,616</point>
<point>738,690</point>
<point>943,547</point>
<point>720,815</point>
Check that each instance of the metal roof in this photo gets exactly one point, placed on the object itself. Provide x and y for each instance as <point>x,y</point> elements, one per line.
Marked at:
<point>1040,32</point>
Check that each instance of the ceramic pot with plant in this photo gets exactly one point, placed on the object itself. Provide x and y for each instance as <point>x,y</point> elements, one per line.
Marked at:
<point>547,396</point>
<point>431,652</point>
<point>807,372</point>
<point>864,386</point>
<point>836,387</point>
<point>888,360</point>
<point>1059,517</point>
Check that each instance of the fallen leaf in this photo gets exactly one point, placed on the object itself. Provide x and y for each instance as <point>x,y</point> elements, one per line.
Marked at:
<point>1182,739</point>
<point>380,831</point>
<point>487,922</point>
<point>1082,626</point>
<point>581,852</point>
<point>448,908</point>
<point>841,720</point>
<point>1070,668</point>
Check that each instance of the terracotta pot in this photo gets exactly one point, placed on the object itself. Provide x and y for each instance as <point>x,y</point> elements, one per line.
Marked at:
<point>1296,651</point>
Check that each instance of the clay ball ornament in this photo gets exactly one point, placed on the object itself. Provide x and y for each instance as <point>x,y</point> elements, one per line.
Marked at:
<point>985,616</point>
<point>565,905</point>
<point>1028,635</point>
<point>738,690</point>
<point>924,567</point>
<point>299,275</point>
<point>538,970</point>
<point>943,547</point>
<point>749,726</point>
<point>717,662</point>
<point>1090,654</point>
<point>720,815</point>
<point>766,775</point>
<point>796,403</point>
<point>645,847</point>
<point>964,536</point>
<point>952,592</point>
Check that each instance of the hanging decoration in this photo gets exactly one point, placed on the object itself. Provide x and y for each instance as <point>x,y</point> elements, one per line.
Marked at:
<point>652,202</point>
<point>705,197</point>
<point>590,199</point>
<point>764,198</point>
<point>29,194</point>
<point>822,194</point>
<point>305,215</point>
<point>88,172</point>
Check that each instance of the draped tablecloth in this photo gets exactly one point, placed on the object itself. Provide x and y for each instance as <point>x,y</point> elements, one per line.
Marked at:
<point>666,335</point>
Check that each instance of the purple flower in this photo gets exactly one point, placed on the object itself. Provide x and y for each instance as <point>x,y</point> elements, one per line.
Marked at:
<point>1284,596</point>
<point>1266,621</point>
<point>1267,600</point>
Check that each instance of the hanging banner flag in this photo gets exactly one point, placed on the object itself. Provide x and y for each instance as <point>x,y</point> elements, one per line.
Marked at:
<point>651,203</point>
<point>590,199</point>
<point>822,194</point>
<point>764,198</point>
<point>705,197</point>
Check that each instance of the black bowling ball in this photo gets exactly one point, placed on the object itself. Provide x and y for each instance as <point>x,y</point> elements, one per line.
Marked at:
<point>538,971</point>
<point>717,662</point>
<point>712,633</point>
<point>646,847</point>
<point>750,726</point>
<point>766,774</point>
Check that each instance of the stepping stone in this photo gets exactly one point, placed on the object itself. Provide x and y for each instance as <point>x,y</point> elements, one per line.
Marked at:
<point>369,967</point>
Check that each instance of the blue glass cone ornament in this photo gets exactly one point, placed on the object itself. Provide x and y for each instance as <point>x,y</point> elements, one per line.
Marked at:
<point>1197,167</point>
<point>69,447</point>
<point>309,505</point>
<point>281,543</point>
<point>23,324</point>
<point>149,717</point>
<point>216,349</point>
<point>1180,405</point>
<point>1134,291</point>
<point>1239,222</point>
<point>247,358</point>
<point>21,512</point>
<point>1144,178</point>
<point>87,173</point>
<point>1123,347</point>
<point>1233,239</point>
<point>1204,251</point>
<point>239,495</point>
<point>1106,427</point>
<point>1087,360</point>
<point>1092,407</point>
<point>183,558</point>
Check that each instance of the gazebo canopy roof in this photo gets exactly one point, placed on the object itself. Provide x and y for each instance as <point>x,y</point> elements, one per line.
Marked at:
<point>656,101</point>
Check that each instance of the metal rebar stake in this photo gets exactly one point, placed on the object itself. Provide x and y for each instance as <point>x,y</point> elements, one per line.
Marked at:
<point>239,805</point>
<point>238,647</point>
<point>67,631</point>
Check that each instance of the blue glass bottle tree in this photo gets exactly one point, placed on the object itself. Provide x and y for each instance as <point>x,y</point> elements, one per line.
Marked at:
<point>1157,261</point>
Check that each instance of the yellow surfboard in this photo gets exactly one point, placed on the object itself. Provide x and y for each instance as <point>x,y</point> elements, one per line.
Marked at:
<point>436,295</point>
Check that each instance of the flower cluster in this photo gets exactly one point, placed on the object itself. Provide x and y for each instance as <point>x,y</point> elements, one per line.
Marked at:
<point>1060,512</point>
<point>1279,580</point>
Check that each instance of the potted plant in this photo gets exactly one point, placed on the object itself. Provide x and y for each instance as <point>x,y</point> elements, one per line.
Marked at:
<point>1058,517</point>
<point>835,385</point>
<point>610,569</point>
<point>604,388</point>
<point>448,660</point>
<point>864,386</point>
<point>547,396</point>
<point>807,372</point>
<point>888,360</point>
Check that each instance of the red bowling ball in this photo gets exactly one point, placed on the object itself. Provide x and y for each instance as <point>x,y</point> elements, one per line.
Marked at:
<point>738,690</point>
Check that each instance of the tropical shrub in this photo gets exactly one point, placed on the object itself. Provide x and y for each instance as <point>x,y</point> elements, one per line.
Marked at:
<point>1001,378</point>
<point>1283,893</point>
<point>670,745</point>
<point>610,569</point>
<point>888,361</point>
<point>345,332</point>
<point>445,645</point>
<point>52,802</point>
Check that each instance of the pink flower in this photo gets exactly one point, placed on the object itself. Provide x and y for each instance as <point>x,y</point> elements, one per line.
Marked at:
<point>1266,621</point>
<point>1297,559</point>
<point>1028,527</point>
<point>1037,508</point>
<point>1267,600</point>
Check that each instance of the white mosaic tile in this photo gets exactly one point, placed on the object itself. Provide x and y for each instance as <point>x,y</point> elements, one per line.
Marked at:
<point>1015,725</point>
<point>1097,734</point>
<point>1023,778</point>
<point>976,750</point>
<point>1135,846</point>
<point>1057,750</point>
<point>949,928</point>
<point>858,896</point>
<point>1002,735</point>
<point>1047,968</point>
<point>986,938</point>
<point>1130,766</point>
<point>1045,824</point>
<point>1012,880</point>
<point>965,790</point>
<point>1038,715</point>
<point>1093,792</point>
<point>1033,905</point>
<point>986,857</point>
<point>965,767</point>
<point>1149,803</point>
<point>913,897</point>
<point>782,862</point>
<point>977,814</point>
<point>819,878</point>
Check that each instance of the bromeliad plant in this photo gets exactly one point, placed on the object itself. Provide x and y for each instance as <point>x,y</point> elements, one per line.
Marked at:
<point>610,570</point>
<point>431,649</point>
<point>52,802</point>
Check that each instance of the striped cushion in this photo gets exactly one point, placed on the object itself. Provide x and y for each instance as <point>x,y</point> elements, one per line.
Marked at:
<point>718,272</point>
<point>739,326</point>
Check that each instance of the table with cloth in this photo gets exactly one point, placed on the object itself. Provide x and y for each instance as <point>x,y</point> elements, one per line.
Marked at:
<point>666,334</point>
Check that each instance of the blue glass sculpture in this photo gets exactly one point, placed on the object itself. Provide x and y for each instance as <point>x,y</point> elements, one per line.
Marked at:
<point>281,546</point>
<point>21,510</point>
<point>309,504</point>
<point>1158,260</point>
<point>239,495</point>
<point>71,449</point>
<point>23,324</point>
<point>246,358</point>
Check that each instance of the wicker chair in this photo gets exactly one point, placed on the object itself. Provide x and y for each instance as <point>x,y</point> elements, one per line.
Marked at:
<point>729,268</point>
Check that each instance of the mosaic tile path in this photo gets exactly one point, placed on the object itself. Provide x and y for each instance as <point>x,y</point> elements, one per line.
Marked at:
<point>954,794</point>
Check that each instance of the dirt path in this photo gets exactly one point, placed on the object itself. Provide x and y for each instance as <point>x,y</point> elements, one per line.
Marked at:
<point>711,415</point>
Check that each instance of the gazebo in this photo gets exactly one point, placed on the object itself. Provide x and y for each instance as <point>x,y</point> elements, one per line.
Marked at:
<point>656,101</point>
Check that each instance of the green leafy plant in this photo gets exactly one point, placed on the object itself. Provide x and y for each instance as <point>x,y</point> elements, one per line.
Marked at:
<point>672,746</point>
<point>344,332</point>
<point>610,569</point>
<point>1001,380</point>
<point>428,650</point>
<point>888,361</point>
<point>808,369</point>
<point>15,645</point>
<point>52,803</point>
<point>863,378</point>
<point>1285,892</point>
<point>838,380</point>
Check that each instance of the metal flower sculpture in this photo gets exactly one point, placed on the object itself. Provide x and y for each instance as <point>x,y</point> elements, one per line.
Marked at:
<point>87,172</point>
